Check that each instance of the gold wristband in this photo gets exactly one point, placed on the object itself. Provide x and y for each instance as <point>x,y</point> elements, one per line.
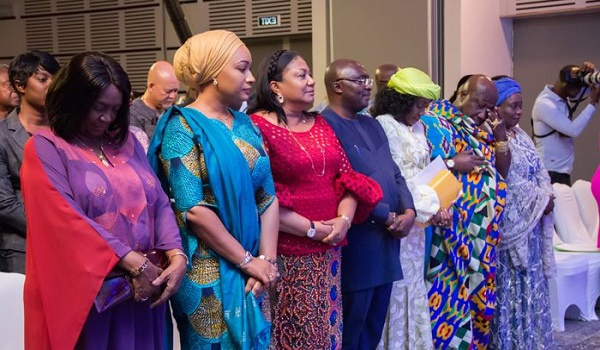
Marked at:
<point>187,261</point>
<point>501,146</point>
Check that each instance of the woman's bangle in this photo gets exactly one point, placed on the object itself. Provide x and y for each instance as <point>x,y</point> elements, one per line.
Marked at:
<point>501,146</point>
<point>347,219</point>
<point>187,261</point>
<point>266,258</point>
<point>139,270</point>
<point>247,258</point>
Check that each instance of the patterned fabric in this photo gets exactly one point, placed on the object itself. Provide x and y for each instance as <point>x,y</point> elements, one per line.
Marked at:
<point>308,317</point>
<point>525,258</point>
<point>300,186</point>
<point>211,307</point>
<point>462,265</point>
<point>408,325</point>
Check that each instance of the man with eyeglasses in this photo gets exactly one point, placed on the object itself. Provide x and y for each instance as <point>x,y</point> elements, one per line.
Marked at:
<point>9,99</point>
<point>370,261</point>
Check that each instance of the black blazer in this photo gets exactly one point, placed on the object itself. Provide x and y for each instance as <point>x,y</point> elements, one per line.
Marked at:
<point>12,211</point>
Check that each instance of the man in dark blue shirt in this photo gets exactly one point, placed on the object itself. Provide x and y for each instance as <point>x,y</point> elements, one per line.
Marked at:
<point>370,261</point>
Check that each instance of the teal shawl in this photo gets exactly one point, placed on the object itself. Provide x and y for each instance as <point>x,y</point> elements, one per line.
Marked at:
<point>231,185</point>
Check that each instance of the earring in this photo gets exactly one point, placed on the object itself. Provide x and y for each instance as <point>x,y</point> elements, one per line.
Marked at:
<point>280,97</point>
<point>215,82</point>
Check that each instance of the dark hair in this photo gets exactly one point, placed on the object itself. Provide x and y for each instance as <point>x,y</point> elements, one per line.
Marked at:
<point>461,82</point>
<point>25,65</point>
<point>271,69</point>
<point>565,75</point>
<point>388,101</point>
<point>502,76</point>
<point>75,89</point>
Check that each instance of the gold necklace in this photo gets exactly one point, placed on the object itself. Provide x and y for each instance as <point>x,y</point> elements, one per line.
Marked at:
<point>312,164</point>
<point>99,153</point>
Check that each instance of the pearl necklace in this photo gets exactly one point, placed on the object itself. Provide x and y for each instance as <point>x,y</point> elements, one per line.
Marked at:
<point>312,164</point>
<point>99,153</point>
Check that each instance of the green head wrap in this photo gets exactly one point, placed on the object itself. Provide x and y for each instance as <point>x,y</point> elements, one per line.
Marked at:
<point>411,81</point>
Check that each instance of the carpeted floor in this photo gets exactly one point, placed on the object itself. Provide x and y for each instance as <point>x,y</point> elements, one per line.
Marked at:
<point>579,335</point>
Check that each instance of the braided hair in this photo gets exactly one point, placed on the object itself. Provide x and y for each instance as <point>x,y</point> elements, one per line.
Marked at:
<point>271,69</point>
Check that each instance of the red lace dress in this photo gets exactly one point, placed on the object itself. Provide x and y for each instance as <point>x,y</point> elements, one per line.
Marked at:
<point>311,174</point>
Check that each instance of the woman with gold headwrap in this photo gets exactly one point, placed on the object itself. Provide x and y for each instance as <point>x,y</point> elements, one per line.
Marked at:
<point>398,108</point>
<point>211,160</point>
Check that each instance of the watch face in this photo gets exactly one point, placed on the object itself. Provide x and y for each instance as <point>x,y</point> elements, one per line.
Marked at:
<point>450,163</point>
<point>311,232</point>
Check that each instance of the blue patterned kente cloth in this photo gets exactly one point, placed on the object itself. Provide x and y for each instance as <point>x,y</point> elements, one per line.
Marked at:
<point>201,162</point>
<point>462,265</point>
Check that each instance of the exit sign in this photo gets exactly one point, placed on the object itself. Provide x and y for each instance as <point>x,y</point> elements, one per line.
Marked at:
<point>269,21</point>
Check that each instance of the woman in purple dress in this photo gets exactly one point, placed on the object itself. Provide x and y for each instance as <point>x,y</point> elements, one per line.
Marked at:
<point>95,207</point>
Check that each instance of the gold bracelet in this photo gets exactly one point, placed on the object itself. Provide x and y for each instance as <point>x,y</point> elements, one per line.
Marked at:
<point>187,261</point>
<point>501,146</point>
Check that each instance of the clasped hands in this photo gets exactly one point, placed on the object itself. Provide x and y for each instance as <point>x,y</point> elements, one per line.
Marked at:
<point>156,283</point>
<point>263,274</point>
<point>400,225</point>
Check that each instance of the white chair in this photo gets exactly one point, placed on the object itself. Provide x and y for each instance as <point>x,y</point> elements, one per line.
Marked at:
<point>567,287</point>
<point>12,312</point>
<point>587,206</point>
<point>567,217</point>
<point>572,230</point>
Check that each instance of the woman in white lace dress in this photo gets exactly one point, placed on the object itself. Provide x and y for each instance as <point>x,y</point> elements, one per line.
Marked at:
<point>399,108</point>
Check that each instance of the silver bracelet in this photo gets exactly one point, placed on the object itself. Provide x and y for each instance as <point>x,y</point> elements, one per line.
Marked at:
<point>247,258</point>
<point>347,219</point>
<point>266,258</point>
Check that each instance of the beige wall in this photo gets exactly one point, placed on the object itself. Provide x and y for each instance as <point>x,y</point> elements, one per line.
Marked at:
<point>476,41</point>
<point>544,45</point>
<point>373,32</point>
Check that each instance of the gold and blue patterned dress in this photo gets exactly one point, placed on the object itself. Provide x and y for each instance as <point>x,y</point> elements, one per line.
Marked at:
<point>198,305</point>
<point>462,265</point>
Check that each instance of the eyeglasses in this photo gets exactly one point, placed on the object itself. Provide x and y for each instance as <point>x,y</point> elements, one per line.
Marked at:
<point>367,82</point>
<point>7,85</point>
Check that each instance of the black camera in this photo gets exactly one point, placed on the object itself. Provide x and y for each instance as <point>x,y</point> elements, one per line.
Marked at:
<point>577,77</point>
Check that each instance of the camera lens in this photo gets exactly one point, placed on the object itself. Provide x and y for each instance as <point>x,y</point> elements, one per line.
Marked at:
<point>591,78</point>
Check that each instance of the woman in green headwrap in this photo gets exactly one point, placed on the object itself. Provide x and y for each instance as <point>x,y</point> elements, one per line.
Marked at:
<point>399,108</point>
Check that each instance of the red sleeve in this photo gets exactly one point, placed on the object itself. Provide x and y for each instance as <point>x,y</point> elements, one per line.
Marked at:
<point>366,190</point>
<point>66,261</point>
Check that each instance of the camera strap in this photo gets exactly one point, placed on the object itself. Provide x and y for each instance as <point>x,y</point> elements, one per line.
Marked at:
<point>571,110</point>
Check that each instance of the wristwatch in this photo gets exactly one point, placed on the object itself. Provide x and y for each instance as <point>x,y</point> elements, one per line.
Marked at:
<point>450,163</point>
<point>312,231</point>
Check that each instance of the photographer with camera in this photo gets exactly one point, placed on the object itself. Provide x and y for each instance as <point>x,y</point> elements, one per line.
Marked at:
<point>553,123</point>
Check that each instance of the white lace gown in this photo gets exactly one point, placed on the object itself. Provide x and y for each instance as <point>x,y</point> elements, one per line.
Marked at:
<point>408,325</point>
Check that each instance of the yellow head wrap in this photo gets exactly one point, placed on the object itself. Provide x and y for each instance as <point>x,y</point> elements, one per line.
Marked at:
<point>202,57</point>
<point>411,81</point>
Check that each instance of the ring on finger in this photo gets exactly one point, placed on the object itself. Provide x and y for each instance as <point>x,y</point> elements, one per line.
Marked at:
<point>144,299</point>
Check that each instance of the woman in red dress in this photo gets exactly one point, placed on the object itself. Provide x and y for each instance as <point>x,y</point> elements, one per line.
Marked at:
<point>319,196</point>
